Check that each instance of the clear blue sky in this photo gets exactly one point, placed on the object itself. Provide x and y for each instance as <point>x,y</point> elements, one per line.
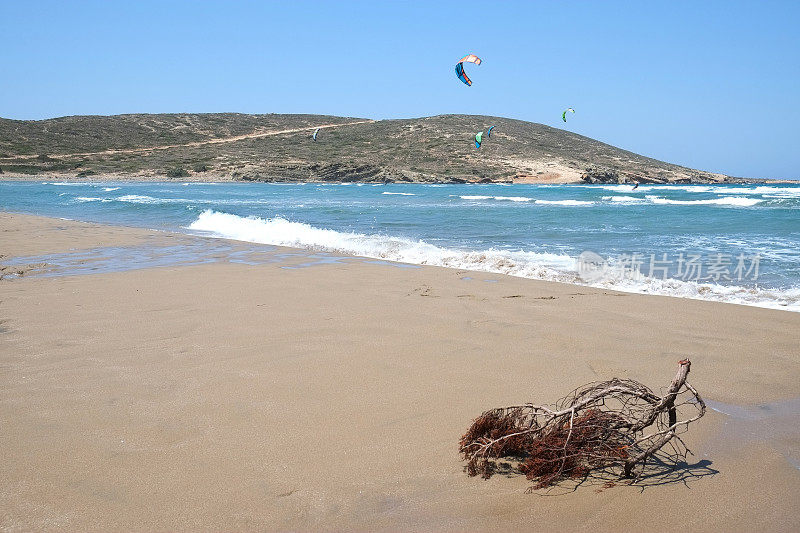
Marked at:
<point>711,85</point>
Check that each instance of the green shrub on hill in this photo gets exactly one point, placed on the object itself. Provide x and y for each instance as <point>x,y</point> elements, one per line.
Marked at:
<point>177,172</point>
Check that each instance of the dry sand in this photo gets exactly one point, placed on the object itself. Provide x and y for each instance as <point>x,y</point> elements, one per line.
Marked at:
<point>232,396</point>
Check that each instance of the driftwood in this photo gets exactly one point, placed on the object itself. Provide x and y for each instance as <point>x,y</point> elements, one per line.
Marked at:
<point>617,424</point>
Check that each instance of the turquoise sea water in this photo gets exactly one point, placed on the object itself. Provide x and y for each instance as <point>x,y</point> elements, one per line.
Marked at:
<point>732,243</point>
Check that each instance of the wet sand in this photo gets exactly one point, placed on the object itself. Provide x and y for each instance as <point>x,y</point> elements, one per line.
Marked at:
<point>309,391</point>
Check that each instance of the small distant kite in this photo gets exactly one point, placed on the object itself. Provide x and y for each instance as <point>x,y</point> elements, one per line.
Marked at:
<point>315,134</point>
<point>478,139</point>
<point>489,131</point>
<point>471,58</point>
<point>564,114</point>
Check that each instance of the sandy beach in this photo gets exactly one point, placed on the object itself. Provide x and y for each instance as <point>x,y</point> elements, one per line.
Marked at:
<point>298,391</point>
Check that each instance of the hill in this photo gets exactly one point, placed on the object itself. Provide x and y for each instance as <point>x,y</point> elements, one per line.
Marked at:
<point>230,146</point>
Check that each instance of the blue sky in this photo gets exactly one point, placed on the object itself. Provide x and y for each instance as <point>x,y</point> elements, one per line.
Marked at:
<point>711,85</point>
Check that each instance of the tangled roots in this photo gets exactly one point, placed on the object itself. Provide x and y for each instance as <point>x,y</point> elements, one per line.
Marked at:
<point>599,426</point>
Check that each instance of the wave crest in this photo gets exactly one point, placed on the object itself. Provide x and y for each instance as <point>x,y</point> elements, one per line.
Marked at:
<point>727,200</point>
<point>551,267</point>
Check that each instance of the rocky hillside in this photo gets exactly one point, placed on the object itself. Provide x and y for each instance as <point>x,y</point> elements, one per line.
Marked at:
<point>232,146</point>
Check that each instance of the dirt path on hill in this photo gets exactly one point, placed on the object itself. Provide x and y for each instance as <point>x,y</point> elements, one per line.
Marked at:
<point>220,140</point>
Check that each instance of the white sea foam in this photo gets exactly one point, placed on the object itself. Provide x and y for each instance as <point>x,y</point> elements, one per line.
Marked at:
<point>625,199</point>
<point>790,192</point>
<point>399,193</point>
<point>783,192</point>
<point>783,198</point>
<point>685,188</point>
<point>150,200</point>
<point>547,266</point>
<point>615,188</point>
<point>514,198</point>
<point>501,198</point>
<point>140,199</point>
<point>624,187</point>
<point>92,199</point>
<point>727,200</point>
<point>281,232</point>
<point>109,189</point>
<point>787,192</point>
<point>787,299</point>
<point>475,197</point>
<point>526,199</point>
<point>66,183</point>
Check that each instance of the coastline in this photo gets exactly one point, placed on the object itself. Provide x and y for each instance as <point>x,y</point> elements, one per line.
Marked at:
<point>233,218</point>
<point>550,179</point>
<point>284,395</point>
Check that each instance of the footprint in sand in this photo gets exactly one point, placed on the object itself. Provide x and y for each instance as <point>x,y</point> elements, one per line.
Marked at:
<point>423,291</point>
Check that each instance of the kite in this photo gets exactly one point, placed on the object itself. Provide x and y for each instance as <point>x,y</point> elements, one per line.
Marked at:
<point>315,134</point>
<point>478,139</point>
<point>471,58</point>
<point>564,114</point>
<point>489,131</point>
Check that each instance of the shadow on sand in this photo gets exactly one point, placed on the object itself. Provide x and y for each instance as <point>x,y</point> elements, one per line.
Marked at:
<point>661,469</point>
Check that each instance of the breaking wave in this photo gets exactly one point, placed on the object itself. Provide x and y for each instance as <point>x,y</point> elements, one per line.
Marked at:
<point>544,266</point>
<point>92,199</point>
<point>141,199</point>
<point>625,199</point>
<point>281,232</point>
<point>527,199</point>
<point>727,200</point>
<point>787,192</point>
<point>506,198</point>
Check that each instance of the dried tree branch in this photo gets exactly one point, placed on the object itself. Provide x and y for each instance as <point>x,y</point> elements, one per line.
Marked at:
<point>597,426</point>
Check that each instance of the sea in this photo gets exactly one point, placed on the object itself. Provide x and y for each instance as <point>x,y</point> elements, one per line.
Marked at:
<point>729,243</point>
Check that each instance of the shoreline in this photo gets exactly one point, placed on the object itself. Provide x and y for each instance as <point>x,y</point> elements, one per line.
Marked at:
<point>278,394</point>
<point>524,180</point>
<point>704,292</point>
